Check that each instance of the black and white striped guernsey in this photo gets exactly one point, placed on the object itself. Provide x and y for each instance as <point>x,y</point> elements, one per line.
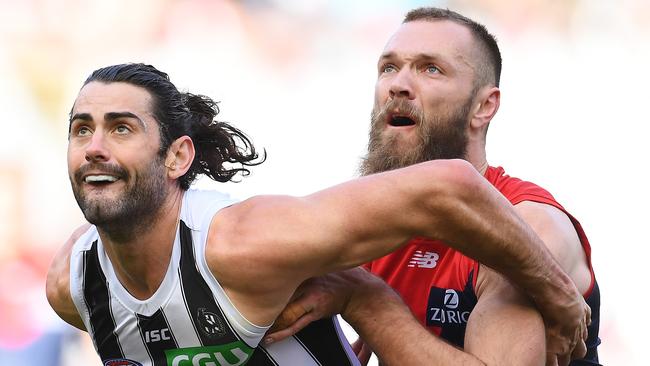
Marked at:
<point>189,320</point>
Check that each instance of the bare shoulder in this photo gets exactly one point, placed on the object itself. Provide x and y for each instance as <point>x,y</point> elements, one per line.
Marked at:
<point>245,239</point>
<point>57,285</point>
<point>555,228</point>
<point>244,251</point>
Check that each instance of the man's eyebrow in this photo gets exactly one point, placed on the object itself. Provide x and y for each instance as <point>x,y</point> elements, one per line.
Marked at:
<point>420,56</point>
<point>110,116</point>
<point>81,116</point>
<point>386,55</point>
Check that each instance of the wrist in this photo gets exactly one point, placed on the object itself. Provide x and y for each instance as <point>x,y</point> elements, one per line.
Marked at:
<point>556,290</point>
<point>369,299</point>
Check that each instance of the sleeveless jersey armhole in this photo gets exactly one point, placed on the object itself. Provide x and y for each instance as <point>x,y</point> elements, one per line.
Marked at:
<point>249,332</point>
<point>77,270</point>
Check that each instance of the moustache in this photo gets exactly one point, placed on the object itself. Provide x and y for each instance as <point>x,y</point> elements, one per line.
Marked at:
<point>398,106</point>
<point>109,169</point>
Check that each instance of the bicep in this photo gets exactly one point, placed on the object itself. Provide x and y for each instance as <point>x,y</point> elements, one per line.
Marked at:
<point>306,236</point>
<point>504,328</point>
<point>64,307</point>
<point>360,220</point>
<point>560,237</point>
<point>57,286</point>
<point>261,249</point>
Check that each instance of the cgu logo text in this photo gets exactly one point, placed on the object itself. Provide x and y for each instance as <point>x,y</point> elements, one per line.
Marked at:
<point>449,314</point>
<point>232,354</point>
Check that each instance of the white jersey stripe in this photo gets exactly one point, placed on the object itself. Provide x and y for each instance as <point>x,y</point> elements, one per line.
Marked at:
<point>290,352</point>
<point>180,321</point>
<point>128,333</point>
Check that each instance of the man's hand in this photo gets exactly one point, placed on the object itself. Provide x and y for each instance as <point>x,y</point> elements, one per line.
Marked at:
<point>566,328</point>
<point>314,299</point>
<point>362,350</point>
<point>370,306</point>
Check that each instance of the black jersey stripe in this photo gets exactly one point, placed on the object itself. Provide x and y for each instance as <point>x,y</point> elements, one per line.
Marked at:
<point>209,322</point>
<point>261,357</point>
<point>171,331</point>
<point>307,350</point>
<point>187,308</point>
<point>83,286</point>
<point>157,336</point>
<point>321,340</point>
<point>591,358</point>
<point>143,340</point>
<point>97,298</point>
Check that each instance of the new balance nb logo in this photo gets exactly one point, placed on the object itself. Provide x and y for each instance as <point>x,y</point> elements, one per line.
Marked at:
<point>424,260</point>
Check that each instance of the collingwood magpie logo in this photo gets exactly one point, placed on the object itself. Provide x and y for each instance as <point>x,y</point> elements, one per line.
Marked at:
<point>210,324</point>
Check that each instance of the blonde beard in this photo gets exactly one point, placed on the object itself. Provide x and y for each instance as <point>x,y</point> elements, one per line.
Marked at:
<point>385,154</point>
<point>443,137</point>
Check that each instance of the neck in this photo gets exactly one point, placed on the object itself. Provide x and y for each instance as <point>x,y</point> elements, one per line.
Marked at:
<point>476,153</point>
<point>481,167</point>
<point>140,253</point>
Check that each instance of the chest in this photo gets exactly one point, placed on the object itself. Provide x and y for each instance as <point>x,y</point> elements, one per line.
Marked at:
<point>436,282</point>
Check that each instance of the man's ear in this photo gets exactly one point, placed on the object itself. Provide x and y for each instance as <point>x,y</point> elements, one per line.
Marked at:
<point>180,156</point>
<point>486,105</point>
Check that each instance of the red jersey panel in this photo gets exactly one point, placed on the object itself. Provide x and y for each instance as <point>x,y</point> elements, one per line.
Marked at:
<point>438,282</point>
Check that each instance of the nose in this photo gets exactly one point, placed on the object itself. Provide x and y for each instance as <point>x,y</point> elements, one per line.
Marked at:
<point>96,150</point>
<point>401,85</point>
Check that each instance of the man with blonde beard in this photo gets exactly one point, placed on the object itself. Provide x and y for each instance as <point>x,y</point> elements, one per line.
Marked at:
<point>436,93</point>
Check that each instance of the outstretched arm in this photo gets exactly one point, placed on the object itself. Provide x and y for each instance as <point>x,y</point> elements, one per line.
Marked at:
<point>264,247</point>
<point>502,318</point>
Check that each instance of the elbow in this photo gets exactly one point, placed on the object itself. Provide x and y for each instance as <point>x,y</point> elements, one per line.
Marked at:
<point>455,182</point>
<point>455,191</point>
<point>52,285</point>
<point>459,173</point>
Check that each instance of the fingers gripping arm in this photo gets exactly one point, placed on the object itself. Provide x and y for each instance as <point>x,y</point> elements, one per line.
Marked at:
<point>377,313</point>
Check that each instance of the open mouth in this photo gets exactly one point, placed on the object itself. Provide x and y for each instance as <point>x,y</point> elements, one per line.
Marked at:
<point>401,121</point>
<point>100,179</point>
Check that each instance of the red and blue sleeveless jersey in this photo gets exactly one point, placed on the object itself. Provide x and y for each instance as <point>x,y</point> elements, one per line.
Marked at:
<point>438,283</point>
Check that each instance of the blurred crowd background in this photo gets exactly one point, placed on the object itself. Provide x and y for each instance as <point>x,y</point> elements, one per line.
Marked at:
<point>298,77</point>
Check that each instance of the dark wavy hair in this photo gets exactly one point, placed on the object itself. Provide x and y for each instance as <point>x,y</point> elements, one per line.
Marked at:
<point>222,150</point>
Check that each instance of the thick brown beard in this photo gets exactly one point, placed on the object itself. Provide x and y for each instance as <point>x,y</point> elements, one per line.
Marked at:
<point>439,137</point>
<point>134,210</point>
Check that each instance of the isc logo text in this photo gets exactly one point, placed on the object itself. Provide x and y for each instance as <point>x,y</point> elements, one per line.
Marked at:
<point>156,335</point>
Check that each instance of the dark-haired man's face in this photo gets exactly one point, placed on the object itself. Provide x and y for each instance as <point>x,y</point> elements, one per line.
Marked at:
<point>423,96</point>
<point>116,173</point>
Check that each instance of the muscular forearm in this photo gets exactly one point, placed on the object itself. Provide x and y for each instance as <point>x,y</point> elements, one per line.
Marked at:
<point>380,317</point>
<point>482,224</point>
